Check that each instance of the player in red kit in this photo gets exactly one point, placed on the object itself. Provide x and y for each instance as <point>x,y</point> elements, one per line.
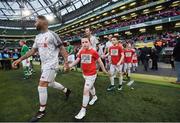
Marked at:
<point>135,62</point>
<point>117,55</point>
<point>128,59</point>
<point>88,57</point>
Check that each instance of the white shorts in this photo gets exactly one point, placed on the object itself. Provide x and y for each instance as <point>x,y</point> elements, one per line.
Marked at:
<point>114,68</point>
<point>127,66</point>
<point>26,63</point>
<point>71,58</point>
<point>89,81</point>
<point>48,75</point>
<point>135,64</point>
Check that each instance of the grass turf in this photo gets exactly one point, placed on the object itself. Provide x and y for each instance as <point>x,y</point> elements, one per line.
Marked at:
<point>154,99</point>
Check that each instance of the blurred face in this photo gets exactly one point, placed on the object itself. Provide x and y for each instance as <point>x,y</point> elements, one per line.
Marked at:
<point>110,37</point>
<point>87,32</point>
<point>85,43</point>
<point>21,43</point>
<point>114,41</point>
<point>128,46</point>
<point>40,24</point>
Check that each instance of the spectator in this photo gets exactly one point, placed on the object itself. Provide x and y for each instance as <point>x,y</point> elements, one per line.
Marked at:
<point>172,62</point>
<point>176,55</point>
<point>145,54</point>
<point>154,57</point>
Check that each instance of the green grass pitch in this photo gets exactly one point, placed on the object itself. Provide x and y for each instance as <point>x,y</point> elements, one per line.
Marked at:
<point>153,99</point>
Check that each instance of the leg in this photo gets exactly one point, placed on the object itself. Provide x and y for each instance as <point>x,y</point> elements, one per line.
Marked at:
<point>60,87</point>
<point>134,67</point>
<point>93,91</point>
<point>89,82</point>
<point>25,69</point>
<point>112,72</point>
<point>145,65</point>
<point>120,77</point>
<point>94,97</point>
<point>56,85</point>
<point>129,70</point>
<point>47,76</point>
<point>178,71</point>
<point>42,89</point>
<point>156,64</point>
<point>120,81</point>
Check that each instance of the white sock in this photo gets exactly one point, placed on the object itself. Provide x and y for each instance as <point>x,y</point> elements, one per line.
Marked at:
<point>42,97</point>
<point>58,86</point>
<point>83,109</point>
<point>120,79</point>
<point>93,91</point>
<point>112,80</point>
<point>129,72</point>
<point>85,101</point>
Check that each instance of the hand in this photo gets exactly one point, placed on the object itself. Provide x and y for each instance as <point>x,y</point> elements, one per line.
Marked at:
<point>66,66</point>
<point>105,72</point>
<point>103,56</point>
<point>109,74</point>
<point>119,63</point>
<point>15,63</point>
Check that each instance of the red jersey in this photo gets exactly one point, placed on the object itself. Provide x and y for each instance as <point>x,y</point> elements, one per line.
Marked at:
<point>115,53</point>
<point>88,61</point>
<point>135,60</point>
<point>128,54</point>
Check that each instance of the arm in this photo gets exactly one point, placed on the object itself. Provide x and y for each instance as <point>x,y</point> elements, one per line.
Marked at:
<point>79,51</point>
<point>122,58</point>
<point>105,55</point>
<point>102,65</point>
<point>27,55</point>
<point>105,50</point>
<point>74,63</point>
<point>64,53</point>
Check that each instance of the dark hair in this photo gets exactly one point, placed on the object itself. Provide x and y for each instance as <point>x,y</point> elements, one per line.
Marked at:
<point>41,17</point>
<point>88,28</point>
<point>115,37</point>
<point>24,42</point>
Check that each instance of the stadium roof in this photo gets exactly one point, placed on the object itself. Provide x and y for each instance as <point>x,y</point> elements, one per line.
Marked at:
<point>29,9</point>
<point>22,13</point>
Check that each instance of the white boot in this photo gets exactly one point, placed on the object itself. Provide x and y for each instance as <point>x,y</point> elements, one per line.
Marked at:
<point>81,114</point>
<point>93,100</point>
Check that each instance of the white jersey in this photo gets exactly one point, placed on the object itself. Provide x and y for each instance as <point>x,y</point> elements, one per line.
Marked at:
<point>108,44</point>
<point>48,46</point>
<point>94,42</point>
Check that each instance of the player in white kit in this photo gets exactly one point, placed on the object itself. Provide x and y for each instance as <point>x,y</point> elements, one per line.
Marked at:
<point>48,44</point>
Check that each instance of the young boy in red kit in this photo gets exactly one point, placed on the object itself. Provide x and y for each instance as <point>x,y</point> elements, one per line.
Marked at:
<point>128,59</point>
<point>88,57</point>
<point>117,55</point>
<point>135,62</point>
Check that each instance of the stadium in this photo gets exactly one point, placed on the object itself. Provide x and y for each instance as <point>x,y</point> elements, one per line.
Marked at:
<point>89,60</point>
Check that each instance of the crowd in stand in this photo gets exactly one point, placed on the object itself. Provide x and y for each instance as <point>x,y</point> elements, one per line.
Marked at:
<point>140,19</point>
<point>7,56</point>
<point>144,18</point>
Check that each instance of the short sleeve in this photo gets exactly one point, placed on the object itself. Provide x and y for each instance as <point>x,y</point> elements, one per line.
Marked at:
<point>57,41</point>
<point>133,51</point>
<point>96,55</point>
<point>35,46</point>
<point>121,49</point>
<point>96,40</point>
